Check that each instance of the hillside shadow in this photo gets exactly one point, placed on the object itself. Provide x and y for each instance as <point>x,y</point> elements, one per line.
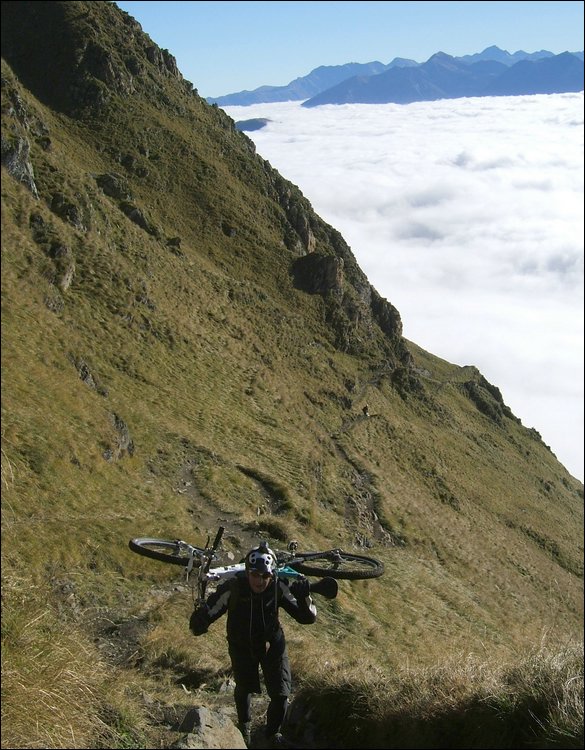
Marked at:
<point>474,724</point>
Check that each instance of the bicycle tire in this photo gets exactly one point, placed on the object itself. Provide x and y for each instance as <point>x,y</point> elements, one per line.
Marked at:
<point>338,564</point>
<point>163,550</point>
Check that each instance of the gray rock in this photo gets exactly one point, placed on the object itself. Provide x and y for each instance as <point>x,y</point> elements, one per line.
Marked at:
<point>16,159</point>
<point>209,729</point>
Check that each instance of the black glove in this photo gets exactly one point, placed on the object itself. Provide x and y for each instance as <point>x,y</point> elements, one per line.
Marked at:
<point>199,622</point>
<point>300,588</point>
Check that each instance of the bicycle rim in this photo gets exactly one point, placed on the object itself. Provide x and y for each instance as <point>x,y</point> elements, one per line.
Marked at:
<point>164,550</point>
<point>338,564</point>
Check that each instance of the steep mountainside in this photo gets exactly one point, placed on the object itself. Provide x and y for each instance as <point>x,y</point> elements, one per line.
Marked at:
<point>186,343</point>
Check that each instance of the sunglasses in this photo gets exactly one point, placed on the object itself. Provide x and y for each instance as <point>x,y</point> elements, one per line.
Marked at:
<point>257,574</point>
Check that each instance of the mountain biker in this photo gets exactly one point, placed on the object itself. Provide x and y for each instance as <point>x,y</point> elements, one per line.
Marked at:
<point>254,634</point>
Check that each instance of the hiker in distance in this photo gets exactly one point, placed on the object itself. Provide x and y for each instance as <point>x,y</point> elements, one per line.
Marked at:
<point>254,634</point>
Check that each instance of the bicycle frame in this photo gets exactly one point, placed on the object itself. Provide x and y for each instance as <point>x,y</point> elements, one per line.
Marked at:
<point>222,573</point>
<point>206,574</point>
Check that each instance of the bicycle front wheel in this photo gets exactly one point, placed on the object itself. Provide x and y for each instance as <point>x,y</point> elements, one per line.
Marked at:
<point>176,553</point>
<point>338,564</point>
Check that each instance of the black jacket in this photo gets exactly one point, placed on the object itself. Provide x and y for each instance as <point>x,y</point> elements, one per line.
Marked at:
<point>252,619</point>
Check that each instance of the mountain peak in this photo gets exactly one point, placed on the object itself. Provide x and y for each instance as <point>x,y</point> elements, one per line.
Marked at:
<point>493,49</point>
<point>440,56</point>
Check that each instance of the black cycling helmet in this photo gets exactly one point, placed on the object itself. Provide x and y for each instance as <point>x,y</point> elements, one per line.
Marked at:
<point>261,560</point>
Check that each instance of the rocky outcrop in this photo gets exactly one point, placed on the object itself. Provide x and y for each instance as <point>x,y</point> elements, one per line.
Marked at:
<point>16,159</point>
<point>207,728</point>
<point>135,214</point>
<point>15,138</point>
<point>386,316</point>
<point>301,221</point>
<point>123,440</point>
<point>488,399</point>
<point>316,273</point>
<point>69,211</point>
<point>163,60</point>
<point>352,311</point>
<point>114,186</point>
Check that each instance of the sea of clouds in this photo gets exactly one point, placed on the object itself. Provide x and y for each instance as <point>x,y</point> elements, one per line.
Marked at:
<point>467,215</point>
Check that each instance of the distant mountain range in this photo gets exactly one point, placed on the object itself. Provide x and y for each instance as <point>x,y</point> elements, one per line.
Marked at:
<point>318,80</point>
<point>493,72</point>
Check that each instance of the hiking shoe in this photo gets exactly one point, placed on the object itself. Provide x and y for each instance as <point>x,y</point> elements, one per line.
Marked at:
<point>276,740</point>
<point>246,732</point>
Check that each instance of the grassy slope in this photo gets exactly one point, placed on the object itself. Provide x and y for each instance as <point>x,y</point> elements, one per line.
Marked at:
<point>215,362</point>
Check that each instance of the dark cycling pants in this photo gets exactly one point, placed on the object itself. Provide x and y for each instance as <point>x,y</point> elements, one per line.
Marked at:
<point>277,678</point>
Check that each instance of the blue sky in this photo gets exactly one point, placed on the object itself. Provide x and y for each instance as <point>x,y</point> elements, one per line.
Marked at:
<point>224,47</point>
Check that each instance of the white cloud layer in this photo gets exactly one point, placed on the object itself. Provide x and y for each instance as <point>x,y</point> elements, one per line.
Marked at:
<point>467,215</point>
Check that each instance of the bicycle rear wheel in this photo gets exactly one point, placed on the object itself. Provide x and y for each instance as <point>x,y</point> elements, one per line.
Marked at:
<point>338,564</point>
<point>166,550</point>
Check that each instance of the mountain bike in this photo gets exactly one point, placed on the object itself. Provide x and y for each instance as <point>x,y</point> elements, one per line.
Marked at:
<point>329,565</point>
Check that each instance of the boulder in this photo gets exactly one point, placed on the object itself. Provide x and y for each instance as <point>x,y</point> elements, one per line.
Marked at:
<point>208,729</point>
